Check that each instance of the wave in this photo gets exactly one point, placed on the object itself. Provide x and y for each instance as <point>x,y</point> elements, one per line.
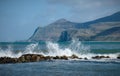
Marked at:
<point>55,49</point>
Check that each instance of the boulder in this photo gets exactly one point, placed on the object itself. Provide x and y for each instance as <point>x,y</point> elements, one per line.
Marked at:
<point>100,57</point>
<point>21,59</point>
<point>64,57</point>
<point>74,56</point>
<point>48,57</point>
<point>4,60</point>
<point>86,58</point>
<point>61,57</point>
<point>118,57</point>
<point>32,57</point>
<point>57,57</point>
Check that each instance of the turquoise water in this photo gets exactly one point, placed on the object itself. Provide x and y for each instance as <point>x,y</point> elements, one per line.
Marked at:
<point>105,67</point>
<point>42,45</point>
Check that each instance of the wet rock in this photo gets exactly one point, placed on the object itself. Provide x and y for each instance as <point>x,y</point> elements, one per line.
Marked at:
<point>74,56</point>
<point>61,57</point>
<point>57,57</point>
<point>32,58</point>
<point>80,58</point>
<point>4,60</point>
<point>107,57</point>
<point>64,57</point>
<point>21,59</point>
<point>118,57</point>
<point>100,57</point>
<point>48,57</point>
<point>86,58</point>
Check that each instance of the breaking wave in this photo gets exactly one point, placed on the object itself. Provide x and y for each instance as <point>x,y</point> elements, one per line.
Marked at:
<point>55,49</point>
<point>76,47</point>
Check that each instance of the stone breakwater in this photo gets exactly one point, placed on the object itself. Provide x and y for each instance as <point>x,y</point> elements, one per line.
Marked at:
<point>38,57</point>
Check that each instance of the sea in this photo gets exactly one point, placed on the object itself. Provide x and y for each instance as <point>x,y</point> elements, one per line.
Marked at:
<point>72,67</point>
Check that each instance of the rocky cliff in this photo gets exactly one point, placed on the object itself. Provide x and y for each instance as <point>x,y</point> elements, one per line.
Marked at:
<point>103,29</point>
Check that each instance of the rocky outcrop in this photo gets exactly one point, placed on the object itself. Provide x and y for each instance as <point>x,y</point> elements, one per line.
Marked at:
<point>100,57</point>
<point>102,29</point>
<point>4,60</point>
<point>38,57</point>
<point>33,58</point>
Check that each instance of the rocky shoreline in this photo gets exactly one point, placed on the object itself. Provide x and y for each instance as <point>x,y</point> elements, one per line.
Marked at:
<point>38,57</point>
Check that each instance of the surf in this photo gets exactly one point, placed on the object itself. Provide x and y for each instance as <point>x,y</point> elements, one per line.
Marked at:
<point>55,49</point>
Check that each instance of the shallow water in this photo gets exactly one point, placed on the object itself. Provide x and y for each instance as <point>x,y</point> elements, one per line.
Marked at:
<point>61,68</point>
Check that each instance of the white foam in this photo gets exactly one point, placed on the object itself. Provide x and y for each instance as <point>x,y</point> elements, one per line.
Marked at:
<point>9,53</point>
<point>30,48</point>
<point>76,47</point>
<point>54,49</point>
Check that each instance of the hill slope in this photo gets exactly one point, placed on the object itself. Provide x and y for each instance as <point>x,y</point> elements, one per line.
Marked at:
<point>63,30</point>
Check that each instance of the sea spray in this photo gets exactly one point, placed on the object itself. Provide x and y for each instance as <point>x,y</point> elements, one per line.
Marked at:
<point>76,47</point>
<point>30,48</point>
<point>54,49</point>
<point>8,52</point>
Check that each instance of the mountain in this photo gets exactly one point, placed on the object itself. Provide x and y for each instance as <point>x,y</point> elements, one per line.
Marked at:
<point>109,34</point>
<point>52,31</point>
<point>112,18</point>
<point>102,29</point>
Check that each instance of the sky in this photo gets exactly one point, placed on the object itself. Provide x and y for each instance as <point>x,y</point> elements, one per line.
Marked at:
<point>20,18</point>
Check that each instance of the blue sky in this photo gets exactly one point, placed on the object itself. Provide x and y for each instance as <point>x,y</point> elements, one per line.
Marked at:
<point>19,18</point>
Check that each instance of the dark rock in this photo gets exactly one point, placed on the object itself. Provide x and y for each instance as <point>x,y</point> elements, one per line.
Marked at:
<point>57,57</point>
<point>4,60</point>
<point>64,57</point>
<point>118,57</point>
<point>31,58</point>
<point>48,57</point>
<point>74,56</point>
<point>100,57</point>
<point>80,58</point>
<point>107,57</point>
<point>61,57</point>
<point>86,58</point>
<point>21,59</point>
<point>96,57</point>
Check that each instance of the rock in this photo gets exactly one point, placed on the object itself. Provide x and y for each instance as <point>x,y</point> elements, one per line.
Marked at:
<point>21,59</point>
<point>86,58</point>
<point>57,57</point>
<point>4,60</point>
<point>96,57</point>
<point>32,58</point>
<point>48,57</point>
<point>64,57</point>
<point>74,56</point>
<point>61,57</point>
<point>100,57</point>
<point>107,57</point>
<point>80,58</point>
<point>118,57</point>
